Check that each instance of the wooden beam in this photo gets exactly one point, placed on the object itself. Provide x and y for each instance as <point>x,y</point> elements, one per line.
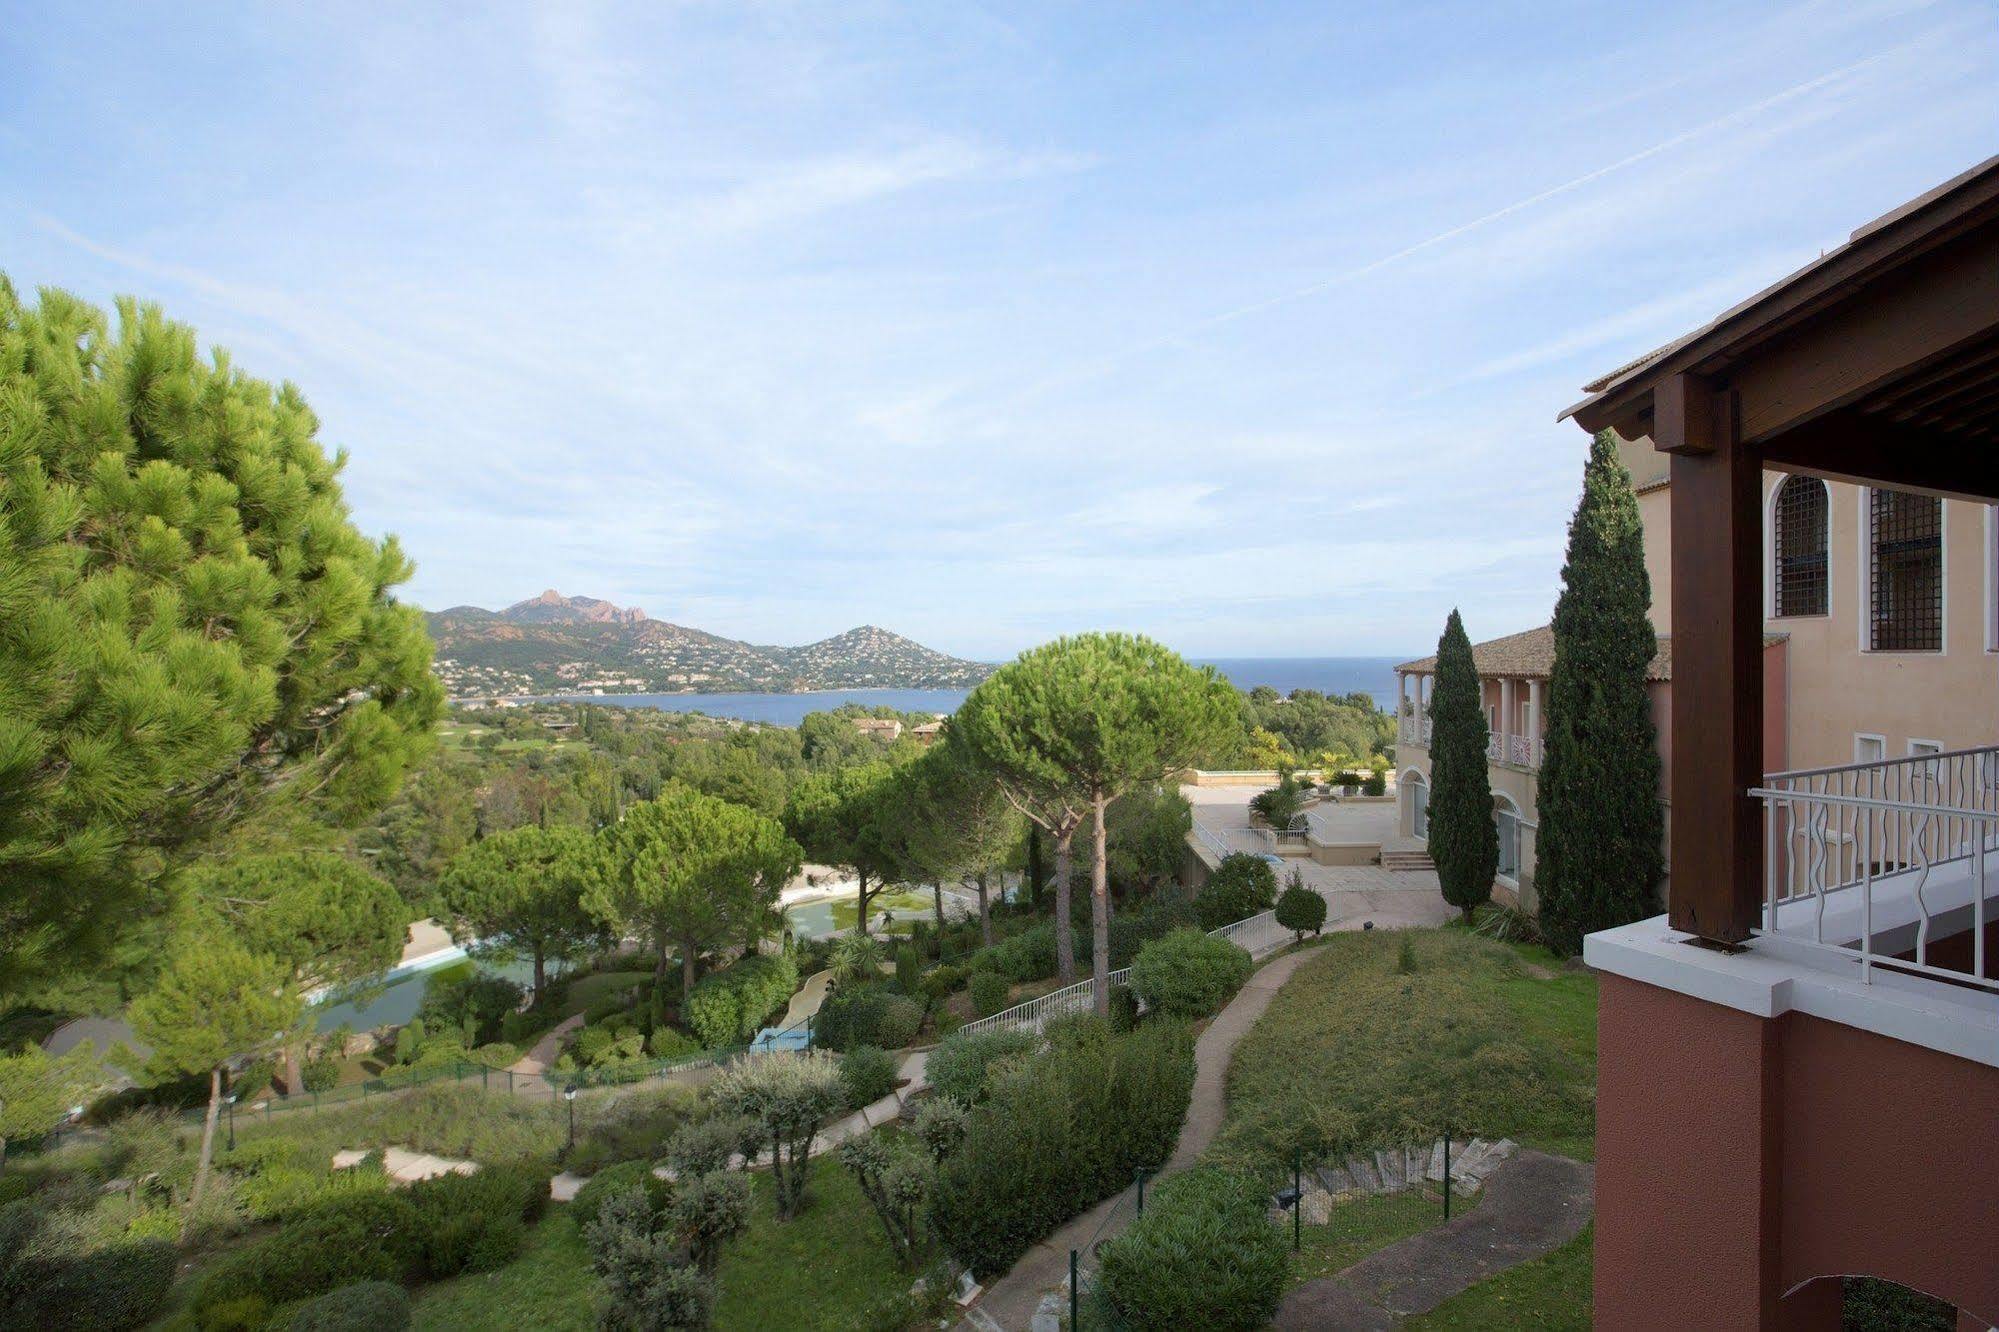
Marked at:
<point>1868,450</point>
<point>1684,408</point>
<point>1717,840</point>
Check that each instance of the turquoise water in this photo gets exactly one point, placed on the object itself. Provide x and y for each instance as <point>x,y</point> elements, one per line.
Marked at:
<point>399,1001</point>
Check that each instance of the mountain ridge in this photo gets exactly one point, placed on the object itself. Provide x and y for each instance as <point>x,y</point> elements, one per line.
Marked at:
<point>553,643</point>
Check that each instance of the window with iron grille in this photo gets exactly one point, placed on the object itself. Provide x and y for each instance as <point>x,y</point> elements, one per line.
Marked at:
<point>1799,538</point>
<point>1906,572</point>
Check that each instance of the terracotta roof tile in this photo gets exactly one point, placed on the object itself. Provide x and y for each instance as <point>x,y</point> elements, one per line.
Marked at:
<point>1530,655</point>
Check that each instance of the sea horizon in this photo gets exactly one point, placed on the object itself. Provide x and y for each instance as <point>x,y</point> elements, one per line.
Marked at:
<point>1374,676</point>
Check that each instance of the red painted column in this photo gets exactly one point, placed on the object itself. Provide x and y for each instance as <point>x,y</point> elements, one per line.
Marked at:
<point>1688,1166</point>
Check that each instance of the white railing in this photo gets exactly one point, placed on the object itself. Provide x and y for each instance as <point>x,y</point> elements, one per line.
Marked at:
<point>1211,839</point>
<point>1885,858</point>
<point>1521,751</point>
<point>1255,935</point>
<point>1426,730</point>
<point>1493,754</point>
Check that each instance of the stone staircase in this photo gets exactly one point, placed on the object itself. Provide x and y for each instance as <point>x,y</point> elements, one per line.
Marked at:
<point>1396,1170</point>
<point>1406,860</point>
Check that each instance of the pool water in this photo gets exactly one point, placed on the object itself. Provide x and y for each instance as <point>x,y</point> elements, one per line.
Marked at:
<point>814,920</point>
<point>398,1002</point>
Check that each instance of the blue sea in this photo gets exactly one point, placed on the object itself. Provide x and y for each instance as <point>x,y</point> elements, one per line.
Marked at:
<point>1328,675</point>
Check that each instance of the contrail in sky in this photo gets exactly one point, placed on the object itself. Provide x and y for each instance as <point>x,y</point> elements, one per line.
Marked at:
<point>1314,288</point>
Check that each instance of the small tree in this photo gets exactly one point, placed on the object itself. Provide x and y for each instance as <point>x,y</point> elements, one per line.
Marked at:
<point>38,1090</point>
<point>1086,719</point>
<point>1463,840</point>
<point>1300,909</point>
<point>709,1210</point>
<point>849,818</point>
<point>326,918</point>
<point>639,1260</point>
<point>688,870</point>
<point>784,1096</point>
<point>1598,860</point>
<point>897,1185</point>
<point>216,1000</point>
<point>521,892</point>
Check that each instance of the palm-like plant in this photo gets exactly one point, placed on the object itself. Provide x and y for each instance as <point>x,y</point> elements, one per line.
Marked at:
<point>856,957</point>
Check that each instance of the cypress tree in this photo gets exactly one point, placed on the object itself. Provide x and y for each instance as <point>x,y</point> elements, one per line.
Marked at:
<point>1463,840</point>
<point>1598,860</point>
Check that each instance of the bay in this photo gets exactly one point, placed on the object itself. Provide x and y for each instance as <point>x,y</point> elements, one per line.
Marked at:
<point>1328,675</point>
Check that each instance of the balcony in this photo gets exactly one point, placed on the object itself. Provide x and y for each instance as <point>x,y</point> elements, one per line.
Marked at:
<point>1888,864</point>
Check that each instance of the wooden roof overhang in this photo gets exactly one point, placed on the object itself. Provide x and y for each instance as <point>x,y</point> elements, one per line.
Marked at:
<point>1879,362</point>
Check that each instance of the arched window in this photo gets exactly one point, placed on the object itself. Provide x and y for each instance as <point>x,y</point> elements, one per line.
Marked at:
<point>1798,542</point>
<point>1905,572</point>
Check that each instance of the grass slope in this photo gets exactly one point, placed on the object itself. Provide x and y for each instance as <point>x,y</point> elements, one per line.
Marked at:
<point>1547,1294</point>
<point>1356,1053</point>
<point>827,1268</point>
<point>550,1286</point>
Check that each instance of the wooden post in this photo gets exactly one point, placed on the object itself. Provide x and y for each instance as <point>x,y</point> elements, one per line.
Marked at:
<point>1717,843</point>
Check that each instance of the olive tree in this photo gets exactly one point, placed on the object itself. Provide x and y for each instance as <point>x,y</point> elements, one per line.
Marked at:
<point>1074,724</point>
<point>784,1097</point>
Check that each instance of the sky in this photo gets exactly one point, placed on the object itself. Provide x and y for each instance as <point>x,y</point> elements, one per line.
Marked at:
<point>1241,325</point>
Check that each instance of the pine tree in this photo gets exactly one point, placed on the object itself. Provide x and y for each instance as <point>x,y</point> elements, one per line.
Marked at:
<point>1463,840</point>
<point>1598,861</point>
<point>189,624</point>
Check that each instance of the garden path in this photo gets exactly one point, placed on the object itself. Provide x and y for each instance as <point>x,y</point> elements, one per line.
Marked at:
<point>1011,1302</point>
<point>807,1001</point>
<point>546,1050</point>
<point>1532,1205</point>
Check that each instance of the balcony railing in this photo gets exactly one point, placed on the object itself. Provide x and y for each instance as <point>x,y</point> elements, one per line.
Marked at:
<point>1494,753</point>
<point>1521,751</point>
<point>1877,860</point>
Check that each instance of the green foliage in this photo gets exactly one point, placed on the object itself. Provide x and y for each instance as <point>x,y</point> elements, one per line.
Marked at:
<point>1023,957</point>
<point>1597,855</point>
<point>410,1040</point>
<point>188,622</point>
<point>1148,837</point>
<point>1374,784</point>
<point>940,1125</point>
<point>709,1210</point>
<point>1301,910</point>
<point>990,992</point>
<point>869,1073</point>
<point>785,1097</point>
<point>1241,886</point>
<point>521,892</point>
<point>897,1183</point>
<point>1463,840</point>
<point>1189,974</point>
<point>365,1306</point>
<point>638,1259</point>
<point>1124,1008</point>
<point>630,1124</point>
<point>371,1236</point>
<point>1307,722</point>
<point>1353,1054</point>
<point>476,1222</point>
<point>1203,1254</point>
<point>214,1000</point>
<point>1405,957</point>
<point>857,957</point>
<point>852,817</point>
<point>1060,1131</point>
<point>321,1074</point>
<point>689,870</point>
<point>728,1007</point>
<point>472,1004</point>
<point>908,969</point>
<point>445,1119</point>
<point>50,1279</point>
<point>1281,803</point>
<point>624,1177</point>
<point>37,1089</point>
<point>962,1066</point>
<point>706,1145</point>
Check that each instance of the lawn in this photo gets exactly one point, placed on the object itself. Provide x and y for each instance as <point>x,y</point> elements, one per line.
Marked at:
<point>1368,1046</point>
<point>828,1268</point>
<point>1548,1294</point>
<point>587,990</point>
<point>549,1286</point>
<point>1357,1228</point>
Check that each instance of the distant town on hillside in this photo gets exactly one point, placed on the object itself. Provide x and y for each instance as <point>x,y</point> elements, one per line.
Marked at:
<point>556,644</point>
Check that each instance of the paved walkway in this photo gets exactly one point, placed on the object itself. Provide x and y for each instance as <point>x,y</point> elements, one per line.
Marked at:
<point>546,1050</point>
<point>1011,1301</point>
<point>405,1166</point>
<point>1533,1204</point>
<point>808,1000</point>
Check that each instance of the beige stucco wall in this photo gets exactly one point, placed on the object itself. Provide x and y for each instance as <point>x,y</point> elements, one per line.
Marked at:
<point>1833,688</point>
<point>1518,784</point>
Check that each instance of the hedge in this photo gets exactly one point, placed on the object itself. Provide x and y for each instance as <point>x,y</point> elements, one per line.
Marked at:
<point>1241,886</point>
<point>990,991</point>
<point>599,1187</point>
<point>869,1073</point>
<point>118,1287</point>
<point>1189,974</point>
<point>1203,1254</point>
<point>365,1306</point>
<point>1058,1133</point>
<point>961,1066</point>
<point>727,1007</point>
<point>866,1015</point>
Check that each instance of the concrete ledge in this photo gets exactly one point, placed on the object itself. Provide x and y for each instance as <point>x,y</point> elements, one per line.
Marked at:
<point>1773,976</point>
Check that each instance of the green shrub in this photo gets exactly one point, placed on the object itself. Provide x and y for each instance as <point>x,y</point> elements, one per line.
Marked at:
<point>1301,910</point>
<point>1026,956</point>
<point>616,1004</point>
<point>496,1054</point>
<point>277,1189</point>
<point>727,1007</point>
<point>940,1125</point>
<point>990,992</point>
<point>671,1043</point>
<point>365,1306</point>
<point>1188,973</point>
<point>1375,784</point>
<point>1124,1008</point>
<point>372,1236</point>
<point>962,1065</point>
<point>1060,1131</point>
<point>409,1041</point>
<point>471,1003</point>
<point>709,1210</point>
<point>868,1071</point>
<point>899,1021</point>
<point>908,969</point>
<point>116,1287</point>
<point>589,1200</point>
<point>321,1074</point>
<point>1241,886</point>
<point>942,981</point>
<point>848,1017</point>
<point>1204,1254</point>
